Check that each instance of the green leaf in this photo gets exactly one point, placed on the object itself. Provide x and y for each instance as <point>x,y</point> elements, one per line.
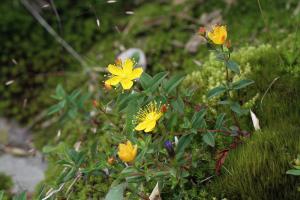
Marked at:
<point>220,56</point>
<point>1,194</point>
<point>236,107</point>
<point>21,196</point>
<point>241,84</point>
<point>60,92</point>
<point>233,66</point>
<point>75,94</point>
<point>56,108</point>
<point>125,99</point>
<point>294,172</point>
<point>145,80</point>
<point>209,139</point>
<point>116,192</point>
<point>183,142</point>
<point>70,175</point>
<point>157,79</point>
<point>131,111</point>
<point>178,105</point>
<point>216,91</point>
<point>198,119</point>
<point>220,121</point>
<point>174,81</point>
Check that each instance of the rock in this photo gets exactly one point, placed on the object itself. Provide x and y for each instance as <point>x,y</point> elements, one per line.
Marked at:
<point>14,135</point>
<point>212,18</point>
<point>17,160</point>
<point>26,172</point>
<point>192,45</point>
<point>135,53</point>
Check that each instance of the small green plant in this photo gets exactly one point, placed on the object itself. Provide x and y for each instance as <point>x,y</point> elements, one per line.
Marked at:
<point>152,133</point>
<point>21,196</point>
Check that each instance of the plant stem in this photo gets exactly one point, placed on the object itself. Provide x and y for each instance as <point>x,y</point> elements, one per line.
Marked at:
<point>226,59</point>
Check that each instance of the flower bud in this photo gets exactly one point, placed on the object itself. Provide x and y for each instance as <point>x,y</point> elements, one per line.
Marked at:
<point>169,147</point>
<point>111,160</point>
<point>228,44</point>
<point>95,103</point>
<point>118,62</point>
<point>202,31</point>
<point>164,108</point>
<point>107,86</point>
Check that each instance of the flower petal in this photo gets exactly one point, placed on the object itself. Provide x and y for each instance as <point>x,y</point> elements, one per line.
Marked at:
<point>128,66</point>
<point>113,69</point>
<point>157,115</point>
<point>113,81</point>
<point>150,126</point>
<point>126,84</point>
<point>129,145</point>
<point>136,73</point>
<point>141,126</point>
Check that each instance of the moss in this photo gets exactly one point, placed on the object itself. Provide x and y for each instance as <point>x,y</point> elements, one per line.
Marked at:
<point>257,169</point>
<point>6,182</point>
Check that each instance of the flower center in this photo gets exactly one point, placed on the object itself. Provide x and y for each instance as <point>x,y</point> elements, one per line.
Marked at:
<point>151,116</point>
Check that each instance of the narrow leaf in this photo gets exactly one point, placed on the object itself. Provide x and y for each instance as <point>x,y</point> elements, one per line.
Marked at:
<point>294,172</point>
<point>216,91</point>
<point>145,80</point>
<point>233,66</point>
<point>198,119</point>
<point>241,84</point>
<point>209,139</point>
<point>220,121</point>
<point>116,192</point>
<point>156,81</point>
<point>60,92</point>
<point>1,194</point>
<point>171,84</point>
<point>183,142</point>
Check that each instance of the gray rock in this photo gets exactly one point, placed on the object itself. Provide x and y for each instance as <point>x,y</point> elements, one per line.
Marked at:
<point>26,172</point>
<point>14,135</point>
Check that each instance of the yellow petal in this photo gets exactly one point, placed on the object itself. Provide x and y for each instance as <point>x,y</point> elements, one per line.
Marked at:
<point>126,84</point>
<point>157,115</point>
<point>125,156</point>
<point>129,145</point>
<point>113,81</point>
<point>141,126</point>
<point>113,69</point>
<point>128,65</point>
<point>136,73</point>
<point>210,35</point>
<point>150,126</point>
<point>127,152</point>
<point>218,35</point>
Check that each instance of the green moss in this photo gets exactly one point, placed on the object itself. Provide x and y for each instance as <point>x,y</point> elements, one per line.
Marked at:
<point>257,169</point>
<point>6,182</point>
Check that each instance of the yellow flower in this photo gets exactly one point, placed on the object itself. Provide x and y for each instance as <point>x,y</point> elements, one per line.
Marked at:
<point>127,152</point>
<point>148,117</point>
<point>124,74</point>
<point>218,35</point>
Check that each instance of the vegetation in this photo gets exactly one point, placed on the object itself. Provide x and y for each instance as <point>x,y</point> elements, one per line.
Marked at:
<point>84,137</point>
